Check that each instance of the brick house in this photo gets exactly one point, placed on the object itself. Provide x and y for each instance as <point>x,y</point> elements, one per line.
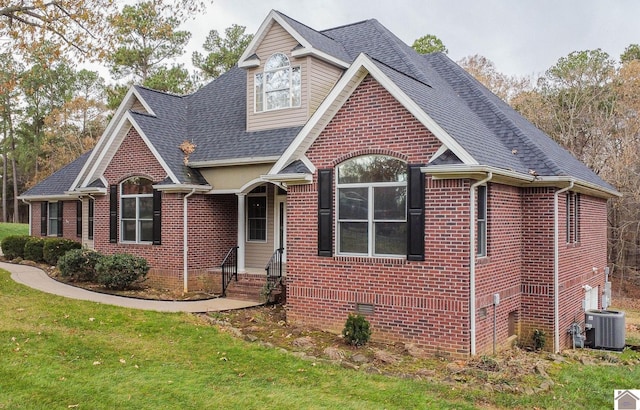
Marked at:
<point>384,181</point>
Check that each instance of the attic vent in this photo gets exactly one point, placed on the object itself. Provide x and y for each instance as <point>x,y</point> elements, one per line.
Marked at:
<point>365,308</point>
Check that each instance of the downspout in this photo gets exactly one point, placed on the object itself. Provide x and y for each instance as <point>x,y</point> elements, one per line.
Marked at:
<point>472,261</point>
<point>185,239</point>
<point>556,269</point>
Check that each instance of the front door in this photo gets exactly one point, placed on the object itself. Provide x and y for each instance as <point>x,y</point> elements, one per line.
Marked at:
<point>280,240</point>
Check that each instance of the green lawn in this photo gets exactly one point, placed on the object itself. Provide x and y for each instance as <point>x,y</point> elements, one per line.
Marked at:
<point>58,353</point>
<point>7,229</point>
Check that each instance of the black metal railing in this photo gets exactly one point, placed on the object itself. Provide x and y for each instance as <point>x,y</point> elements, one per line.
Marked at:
<point>274,269</point>
<point>229,269</point>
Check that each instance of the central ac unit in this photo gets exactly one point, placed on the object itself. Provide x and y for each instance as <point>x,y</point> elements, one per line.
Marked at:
<point>605,329</point>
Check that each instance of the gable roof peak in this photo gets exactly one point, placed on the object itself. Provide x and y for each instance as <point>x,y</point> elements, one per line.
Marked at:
<point>312,42</point>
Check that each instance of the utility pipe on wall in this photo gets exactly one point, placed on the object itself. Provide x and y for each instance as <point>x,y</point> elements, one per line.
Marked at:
<point>185,243</point>
<point>556,269</point>
<point>472,261</point>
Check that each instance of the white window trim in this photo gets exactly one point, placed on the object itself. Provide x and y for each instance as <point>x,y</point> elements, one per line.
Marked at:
<point>263,73</point>
<point>370,217</point>
<point>266,217</point>
<point>137,218</point>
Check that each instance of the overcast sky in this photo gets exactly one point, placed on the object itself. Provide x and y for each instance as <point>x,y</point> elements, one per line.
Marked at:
<point>522,37</point>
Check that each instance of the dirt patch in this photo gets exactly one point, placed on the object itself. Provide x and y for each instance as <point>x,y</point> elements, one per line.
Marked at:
<point>513,370</point>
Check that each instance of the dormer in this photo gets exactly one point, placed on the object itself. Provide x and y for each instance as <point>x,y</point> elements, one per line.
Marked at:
<point>288,73</point>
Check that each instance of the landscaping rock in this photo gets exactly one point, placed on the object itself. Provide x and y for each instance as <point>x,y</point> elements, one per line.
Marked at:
<point>386,357</point>
<point>304,343</point>
<point>334,353</point>
<point>349,365</point>
<point>359,358</point>
<point>250,338</point>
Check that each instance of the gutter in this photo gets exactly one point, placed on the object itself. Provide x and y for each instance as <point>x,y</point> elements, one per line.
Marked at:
<point>556,269</point>
<point>185,238</point>
<point>472,261</point>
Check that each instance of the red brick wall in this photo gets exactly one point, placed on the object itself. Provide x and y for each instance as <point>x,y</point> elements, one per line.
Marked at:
<point>68,220</point>
<point>426,303</point>
<point>577,262</point>
<point>500,271</point>
<point>208,232</point>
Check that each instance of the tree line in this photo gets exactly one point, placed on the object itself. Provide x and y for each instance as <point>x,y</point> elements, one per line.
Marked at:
<point>51,111</point>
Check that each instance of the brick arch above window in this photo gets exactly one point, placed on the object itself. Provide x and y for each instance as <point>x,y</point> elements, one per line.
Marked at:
<point>369,151</point>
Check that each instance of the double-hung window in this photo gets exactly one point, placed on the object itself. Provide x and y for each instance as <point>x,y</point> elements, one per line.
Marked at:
<point>371,202</point>
<point>53,218</point>
<point>279,85</point>
<point>136,218</point>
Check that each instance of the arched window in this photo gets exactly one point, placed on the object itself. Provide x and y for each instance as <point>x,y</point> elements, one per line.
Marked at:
<point>372,212</point>
<point>136,217</point>
<point>279,85</point>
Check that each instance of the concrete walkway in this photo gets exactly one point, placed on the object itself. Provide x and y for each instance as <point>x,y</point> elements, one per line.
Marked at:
<point>38,279</point>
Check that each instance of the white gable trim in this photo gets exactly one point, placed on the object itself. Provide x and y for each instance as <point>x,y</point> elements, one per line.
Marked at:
<point>113,143</point>
<point>339,95</point>
<point>130,98</point>
<point>307,48</point>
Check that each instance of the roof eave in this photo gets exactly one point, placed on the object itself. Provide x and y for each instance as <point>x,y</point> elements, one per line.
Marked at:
<point>182,188</point>
<point>47,198</point>
<point>289,179</point>
<point>513,178</point>
<point>233,162</point>
<point>311,51</point>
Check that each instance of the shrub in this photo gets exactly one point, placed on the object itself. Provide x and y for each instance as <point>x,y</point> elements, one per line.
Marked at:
<point>79,264</point>
<point>33,249</point>
<point>356,330</point>
<point>13,246</point>
<point>539,339</point>
<point>54,248</point>
<point>120,271</point>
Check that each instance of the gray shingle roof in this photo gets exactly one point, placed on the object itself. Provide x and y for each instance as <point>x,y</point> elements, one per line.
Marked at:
<point>217,123</point>
<point>318,40</point>
<point>214,117</point>
<point>60,181</point>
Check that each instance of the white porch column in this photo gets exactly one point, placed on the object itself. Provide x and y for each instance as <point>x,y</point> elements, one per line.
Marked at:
<point>241,231</point>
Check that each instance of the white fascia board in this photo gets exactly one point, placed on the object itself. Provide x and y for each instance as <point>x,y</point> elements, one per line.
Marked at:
<point>105,141</point>
<point>86,191</point>
<point>417,112</point>
<point>307,163</point>
<point>443,148</point>
<point>47,198</point>
<point>257,39</point>
<point>358,71</point>
<point>112,138</point>
<point>233,162</point>
<point>117,138</point>
<point>303,52</point>
<point>307,48</point>
<point>294,178</point>
<point>223,191</point>
<point>516,178</point>
<point>182,188</point>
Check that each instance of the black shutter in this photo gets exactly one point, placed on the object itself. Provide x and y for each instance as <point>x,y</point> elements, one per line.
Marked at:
<point>415,214</point>
<point>79,218</point>
<point>157,217</point>
<point>44,208</point>
<point>60,217</point>
<point>325,212</point>
<point>113,214</point>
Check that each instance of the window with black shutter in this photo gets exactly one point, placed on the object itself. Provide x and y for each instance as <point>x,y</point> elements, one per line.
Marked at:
<point>325,212</point>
